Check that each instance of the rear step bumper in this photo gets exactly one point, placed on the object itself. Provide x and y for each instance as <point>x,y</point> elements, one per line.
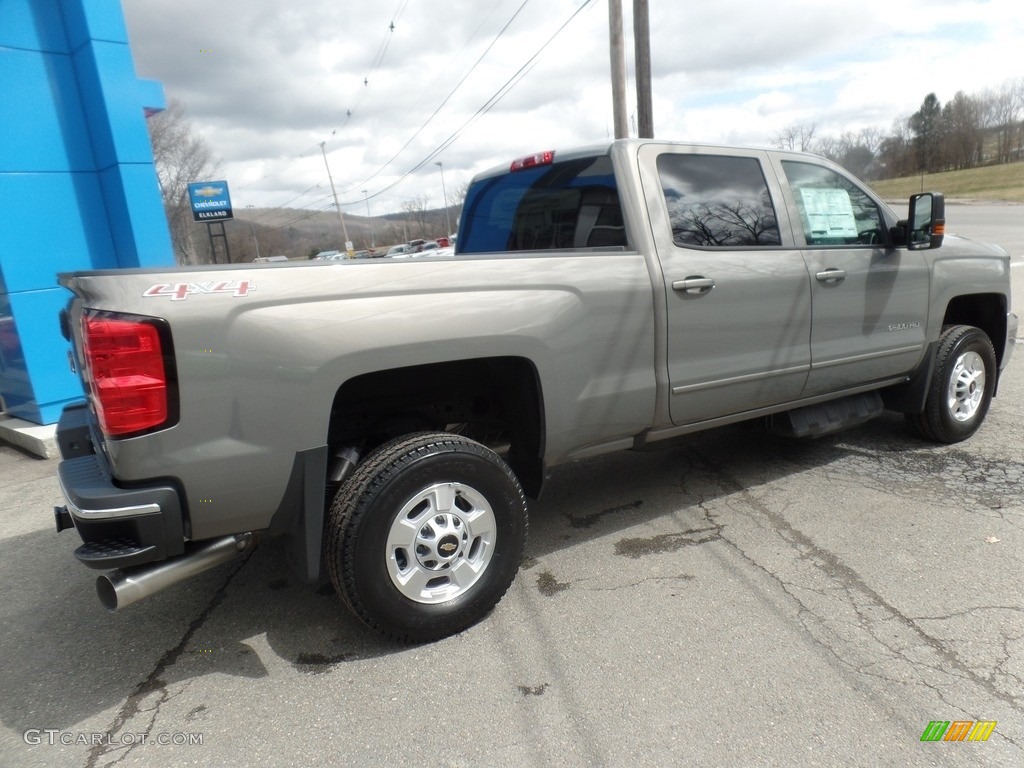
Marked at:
<point>120,527</point>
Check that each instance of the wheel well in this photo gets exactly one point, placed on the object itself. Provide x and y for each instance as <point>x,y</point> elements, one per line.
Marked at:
<point>986,311</point>
<point>495,401</point>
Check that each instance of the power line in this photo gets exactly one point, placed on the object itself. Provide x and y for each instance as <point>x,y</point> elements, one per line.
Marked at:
<point>296,219</point>
<point>378,60</point>
<point>488,105</point>
<point>440,106</point>
<point>282,205</point>
<point>444,102</point>
<point>472,36</point>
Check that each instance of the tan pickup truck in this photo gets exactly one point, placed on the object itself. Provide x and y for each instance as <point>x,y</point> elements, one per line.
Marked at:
<point>390,416</point>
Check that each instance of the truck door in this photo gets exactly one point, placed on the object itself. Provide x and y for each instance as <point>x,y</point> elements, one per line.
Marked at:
<point>737,292</point>
<point>869,300</point>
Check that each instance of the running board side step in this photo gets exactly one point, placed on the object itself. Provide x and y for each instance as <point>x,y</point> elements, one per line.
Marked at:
<point>826,418</point>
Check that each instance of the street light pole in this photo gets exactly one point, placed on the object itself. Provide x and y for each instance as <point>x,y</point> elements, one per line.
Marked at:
<point>337,206</point>
<point>444,191</point>
<point>253,228</point>
<point>369,221</point>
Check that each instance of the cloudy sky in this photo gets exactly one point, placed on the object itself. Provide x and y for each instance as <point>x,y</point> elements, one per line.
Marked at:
<point>476,83</point>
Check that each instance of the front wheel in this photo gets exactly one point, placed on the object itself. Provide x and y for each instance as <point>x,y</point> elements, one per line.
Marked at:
<point>961,388</point>
<point>426,536</point>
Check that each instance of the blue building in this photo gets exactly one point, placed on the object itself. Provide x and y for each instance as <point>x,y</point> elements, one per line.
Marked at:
<point>78,189</point>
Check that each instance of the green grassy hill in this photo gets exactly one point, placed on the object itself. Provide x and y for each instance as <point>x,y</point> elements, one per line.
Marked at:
<point>996,182</point>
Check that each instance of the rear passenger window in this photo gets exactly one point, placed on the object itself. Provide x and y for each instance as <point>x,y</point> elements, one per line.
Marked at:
<point>833,210</point>
<point>717,201</point>
<point>569,204</point>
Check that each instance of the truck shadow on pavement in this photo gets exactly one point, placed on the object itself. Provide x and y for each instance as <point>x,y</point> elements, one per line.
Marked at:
<point>608,494</point>
<point>65,659</point>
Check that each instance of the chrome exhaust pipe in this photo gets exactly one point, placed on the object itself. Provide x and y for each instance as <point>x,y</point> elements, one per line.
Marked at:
<point>119,589</point>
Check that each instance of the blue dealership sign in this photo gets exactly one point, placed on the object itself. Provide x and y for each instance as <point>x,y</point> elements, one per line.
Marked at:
<point>210,201</point>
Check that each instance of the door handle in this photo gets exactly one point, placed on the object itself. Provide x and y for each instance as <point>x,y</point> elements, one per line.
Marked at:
<point>832,276</point>
<point>695,285</point>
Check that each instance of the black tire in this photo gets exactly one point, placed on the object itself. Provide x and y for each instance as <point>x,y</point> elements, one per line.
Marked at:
<point>426,536</point>
<point>961,388</point>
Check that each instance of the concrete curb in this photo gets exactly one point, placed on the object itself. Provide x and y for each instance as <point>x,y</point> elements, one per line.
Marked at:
<point>36,439</point>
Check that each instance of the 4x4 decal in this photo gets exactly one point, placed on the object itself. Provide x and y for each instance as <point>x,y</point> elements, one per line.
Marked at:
<point>181,291</point>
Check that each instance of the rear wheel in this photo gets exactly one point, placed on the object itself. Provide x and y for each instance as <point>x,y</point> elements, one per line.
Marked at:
<point>961,388</point>
<point>426,536</point>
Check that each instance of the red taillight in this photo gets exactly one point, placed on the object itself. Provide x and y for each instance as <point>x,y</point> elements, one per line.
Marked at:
<point>125,366</point>
<point>531,161</point>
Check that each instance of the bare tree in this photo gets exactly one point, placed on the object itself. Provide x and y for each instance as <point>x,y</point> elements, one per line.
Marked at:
<point>828,146</point>
<point>871,139</point>
<point>248,239</point>
<point>181,158</point>
<point>1002,110</point>
<point>894,151</point>
<point>968,131</point>
<point>416,209</point>
<point>799,137</point>
<point>456,199</point>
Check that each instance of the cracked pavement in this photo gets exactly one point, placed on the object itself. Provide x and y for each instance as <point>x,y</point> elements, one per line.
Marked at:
<point>741,600</point>
<point>736,600</point>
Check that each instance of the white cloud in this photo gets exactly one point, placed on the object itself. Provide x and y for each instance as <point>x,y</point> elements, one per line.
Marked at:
<point>266,82</point>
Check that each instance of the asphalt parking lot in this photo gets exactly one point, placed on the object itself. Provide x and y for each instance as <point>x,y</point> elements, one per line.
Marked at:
<point>735,600</point>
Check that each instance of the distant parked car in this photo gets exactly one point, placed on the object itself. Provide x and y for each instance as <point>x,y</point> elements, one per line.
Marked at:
<point>265,259</point>
<point>326,255</point>
<point>398,250</point>
<point>427,249</point>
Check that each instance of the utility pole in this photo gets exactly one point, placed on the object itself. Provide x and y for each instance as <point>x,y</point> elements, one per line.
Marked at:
<point>642,43</point>
<point>447,216</point>
<point>618,61</point>
<point>369,221</point>
<point>337,206</point>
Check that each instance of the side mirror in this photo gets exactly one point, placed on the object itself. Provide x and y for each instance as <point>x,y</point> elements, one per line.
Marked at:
<point>926,221</point>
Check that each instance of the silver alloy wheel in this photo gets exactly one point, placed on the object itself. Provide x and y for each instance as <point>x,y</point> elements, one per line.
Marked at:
<point>440,543</point>
<point>966,386</point>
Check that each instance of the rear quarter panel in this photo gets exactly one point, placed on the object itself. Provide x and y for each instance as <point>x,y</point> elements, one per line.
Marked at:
<point>258,372</point>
